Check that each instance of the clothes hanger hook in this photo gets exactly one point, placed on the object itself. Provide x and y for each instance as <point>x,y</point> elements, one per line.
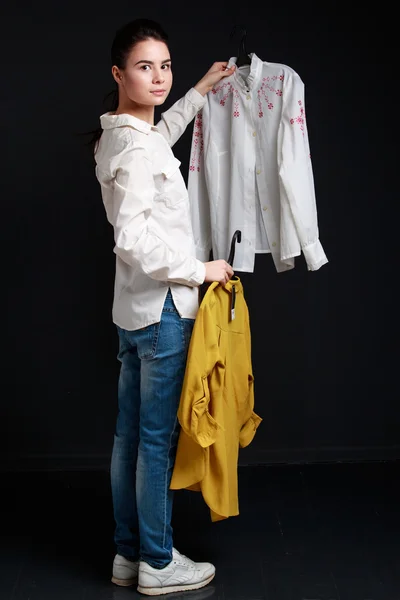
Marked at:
<point>237,236</point>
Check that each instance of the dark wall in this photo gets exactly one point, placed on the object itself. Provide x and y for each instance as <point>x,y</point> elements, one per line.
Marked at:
<point>324,343</point>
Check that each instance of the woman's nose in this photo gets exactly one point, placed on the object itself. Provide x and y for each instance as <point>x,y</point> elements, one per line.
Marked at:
<point>158,77</point>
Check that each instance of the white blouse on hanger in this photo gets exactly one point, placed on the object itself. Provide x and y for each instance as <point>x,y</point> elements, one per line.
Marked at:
<point>250,169</point>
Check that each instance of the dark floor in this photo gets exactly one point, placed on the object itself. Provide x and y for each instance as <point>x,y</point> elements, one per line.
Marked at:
<point>317,532</point>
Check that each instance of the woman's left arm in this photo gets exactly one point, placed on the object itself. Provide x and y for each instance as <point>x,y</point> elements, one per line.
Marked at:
<point>175,120</point>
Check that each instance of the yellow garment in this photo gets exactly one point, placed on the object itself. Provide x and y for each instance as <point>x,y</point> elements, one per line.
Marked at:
<point>216,406</point>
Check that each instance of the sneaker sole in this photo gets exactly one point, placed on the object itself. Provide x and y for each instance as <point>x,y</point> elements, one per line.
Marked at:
<point>124,582</point>
<point>174,588</point>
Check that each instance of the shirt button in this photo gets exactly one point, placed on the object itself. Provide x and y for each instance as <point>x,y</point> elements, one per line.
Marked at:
<point>265,207</point>
<point>274,243</point>
<point>248,97</point>
<point>258,171</point>
<point>254,133</point>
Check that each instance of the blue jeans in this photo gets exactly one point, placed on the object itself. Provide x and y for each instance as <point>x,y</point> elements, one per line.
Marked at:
<point>153,362</point>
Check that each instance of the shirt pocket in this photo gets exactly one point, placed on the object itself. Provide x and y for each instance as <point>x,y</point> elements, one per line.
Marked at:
<point>172,191</point>
<point>171,167</point>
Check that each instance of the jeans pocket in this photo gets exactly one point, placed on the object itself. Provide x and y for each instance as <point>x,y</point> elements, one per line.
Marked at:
<point>147,340</point>
<point>187,330</point>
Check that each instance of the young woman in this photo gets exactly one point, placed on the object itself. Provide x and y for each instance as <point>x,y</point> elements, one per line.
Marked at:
<point>155,300</point>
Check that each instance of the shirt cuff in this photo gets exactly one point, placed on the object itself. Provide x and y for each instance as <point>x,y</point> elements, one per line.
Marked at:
<point>200,275</point>
<point>315,256</point>
<point>248,430</point>
<point>196,98</point>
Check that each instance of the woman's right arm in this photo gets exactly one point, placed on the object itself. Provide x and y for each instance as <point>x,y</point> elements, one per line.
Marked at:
<point>135,242</point>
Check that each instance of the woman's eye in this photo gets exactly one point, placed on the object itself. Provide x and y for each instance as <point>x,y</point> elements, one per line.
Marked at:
<point>145,67</point>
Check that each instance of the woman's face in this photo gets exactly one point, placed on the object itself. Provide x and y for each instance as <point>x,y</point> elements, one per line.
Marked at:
<point>148,70</point>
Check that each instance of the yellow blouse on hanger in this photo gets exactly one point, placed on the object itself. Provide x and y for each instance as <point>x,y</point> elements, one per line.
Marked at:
<point>216,407</point>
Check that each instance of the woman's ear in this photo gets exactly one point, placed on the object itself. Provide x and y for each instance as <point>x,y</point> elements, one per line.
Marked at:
<point>116,73</point>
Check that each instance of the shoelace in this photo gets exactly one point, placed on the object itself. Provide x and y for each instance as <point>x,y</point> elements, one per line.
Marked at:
<point>185,558</point>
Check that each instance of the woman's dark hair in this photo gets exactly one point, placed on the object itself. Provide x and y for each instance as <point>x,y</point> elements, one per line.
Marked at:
<point>125,39</point>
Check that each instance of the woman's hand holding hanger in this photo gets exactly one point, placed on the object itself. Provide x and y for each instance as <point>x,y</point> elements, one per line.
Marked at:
<point>218,71</point>
<point>218,270</point>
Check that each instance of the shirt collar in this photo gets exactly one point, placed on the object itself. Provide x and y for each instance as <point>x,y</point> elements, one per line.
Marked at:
<point>235,281</point>
<point>110,120</point>
<point>254,75</point>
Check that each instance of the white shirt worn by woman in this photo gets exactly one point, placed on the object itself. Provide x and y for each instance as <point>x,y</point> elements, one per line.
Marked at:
<point>146,201</point>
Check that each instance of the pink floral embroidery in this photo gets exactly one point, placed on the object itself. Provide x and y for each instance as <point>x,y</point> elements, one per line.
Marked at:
<point>198,143</point>
<point>268,83</point>
<point>300,119</point>
<point>230,90</point>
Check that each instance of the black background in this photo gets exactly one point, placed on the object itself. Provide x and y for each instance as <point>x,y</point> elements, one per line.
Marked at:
<point>324,343</point>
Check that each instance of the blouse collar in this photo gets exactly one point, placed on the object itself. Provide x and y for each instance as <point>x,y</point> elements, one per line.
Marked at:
<point>251,80</point>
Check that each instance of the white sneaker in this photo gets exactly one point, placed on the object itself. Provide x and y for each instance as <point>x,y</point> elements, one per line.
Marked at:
<point>180,575</point>
<point>125,572</point>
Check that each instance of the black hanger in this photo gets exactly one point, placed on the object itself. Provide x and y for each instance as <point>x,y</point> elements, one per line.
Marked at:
<point>242,58</point>
<point>236,236</point>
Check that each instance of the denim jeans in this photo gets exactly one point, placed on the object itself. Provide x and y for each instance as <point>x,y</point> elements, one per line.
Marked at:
<point>153,362</point>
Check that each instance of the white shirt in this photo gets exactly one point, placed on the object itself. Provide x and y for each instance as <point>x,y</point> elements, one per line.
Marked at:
<point>146,201</point>
<point>250,169</point>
